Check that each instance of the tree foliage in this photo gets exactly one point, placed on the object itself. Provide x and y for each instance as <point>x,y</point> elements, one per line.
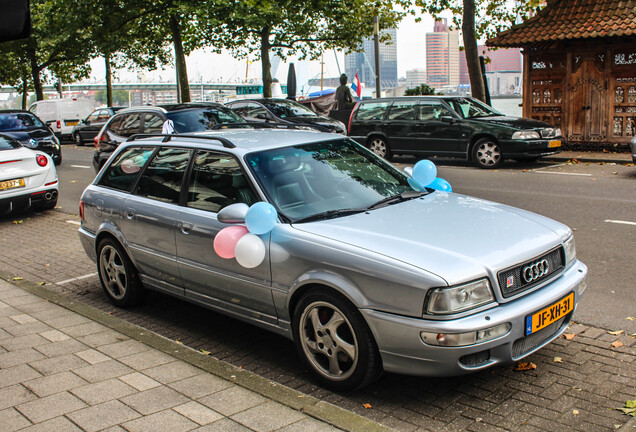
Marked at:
<point>421,90</point>
<point>294,27</point>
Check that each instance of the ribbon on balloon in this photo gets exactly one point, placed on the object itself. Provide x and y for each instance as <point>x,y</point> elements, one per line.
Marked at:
<point>424,174</point>
<point>242,241</point>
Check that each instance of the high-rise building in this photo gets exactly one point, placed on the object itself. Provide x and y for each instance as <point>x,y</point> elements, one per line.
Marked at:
<point>363,62</point>
<point>415,77</point>
<point>500,60</point>
<point>442,55</point>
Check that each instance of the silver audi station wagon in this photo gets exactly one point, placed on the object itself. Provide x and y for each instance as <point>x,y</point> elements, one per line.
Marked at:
<point>361,271</point>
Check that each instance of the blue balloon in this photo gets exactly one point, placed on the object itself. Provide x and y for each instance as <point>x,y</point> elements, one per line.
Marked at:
<point>415,185</point>
<point>261,218</point>
<point>441,185</point>
<point>424,172</point>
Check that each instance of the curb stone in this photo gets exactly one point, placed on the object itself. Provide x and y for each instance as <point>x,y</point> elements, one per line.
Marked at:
<point>309,405</point>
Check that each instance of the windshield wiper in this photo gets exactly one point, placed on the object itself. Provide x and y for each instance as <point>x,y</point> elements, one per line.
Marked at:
<point>404,196</point>
<point>329,214</point>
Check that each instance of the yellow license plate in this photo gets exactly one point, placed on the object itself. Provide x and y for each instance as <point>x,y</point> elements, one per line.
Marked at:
<point>547,316</point>
<point>70,123</point>
<point>553,144</point>
<point>10,184</point>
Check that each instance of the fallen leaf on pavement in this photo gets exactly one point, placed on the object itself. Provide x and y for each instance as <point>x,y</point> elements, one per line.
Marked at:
<point>630,408</point>
<point>617,332</point>
<point>525,366</point>
<point>617,344</point>
<point>179,342</point>
<point>17,221</point>
<point>41,283</point>
<point>17,278</point>
<point>558,360</point>
<point>633,335</point>
<point>577,388</point>
<point>630,318</point>
<point>205,352</point>
<point>367,406</point>
<point>575,412</point>
<point>569,336</point>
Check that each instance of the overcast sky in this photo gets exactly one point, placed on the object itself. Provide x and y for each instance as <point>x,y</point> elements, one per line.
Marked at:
<point>212,67</point>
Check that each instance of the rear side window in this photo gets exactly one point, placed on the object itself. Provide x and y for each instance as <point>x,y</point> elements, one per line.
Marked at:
<point>403,110</point>
<point>153,123</point>
<point>217,181</point>
<point>123,172</point>
<point>372,110</point>
<point>114,125</point>
<point>129,125</point>
<point>162,178</point>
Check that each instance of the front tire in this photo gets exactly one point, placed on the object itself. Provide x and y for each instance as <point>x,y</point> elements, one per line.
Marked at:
<point>117,274</point>
<point>380,147</point>
<point>487,154</point>
<point>335,341</point>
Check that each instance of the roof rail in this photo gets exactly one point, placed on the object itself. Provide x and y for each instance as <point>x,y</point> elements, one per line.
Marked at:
<point>166,137</point>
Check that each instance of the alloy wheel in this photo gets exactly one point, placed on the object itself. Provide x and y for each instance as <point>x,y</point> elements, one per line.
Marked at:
<point>113,272</point>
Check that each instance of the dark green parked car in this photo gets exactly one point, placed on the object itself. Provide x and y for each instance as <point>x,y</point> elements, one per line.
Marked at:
<point>450,126</point>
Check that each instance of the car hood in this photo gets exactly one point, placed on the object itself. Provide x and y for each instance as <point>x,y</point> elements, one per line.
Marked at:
<point>319,121</point>
<point>516,122</point>
<point>25,136</point>
<point>456,237</point>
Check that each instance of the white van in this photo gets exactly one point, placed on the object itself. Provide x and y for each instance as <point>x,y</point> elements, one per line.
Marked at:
<point>62,114</point>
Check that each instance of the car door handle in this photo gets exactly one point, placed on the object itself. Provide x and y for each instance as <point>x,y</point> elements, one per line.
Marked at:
<point>185,227</point>
<point>130,213</point>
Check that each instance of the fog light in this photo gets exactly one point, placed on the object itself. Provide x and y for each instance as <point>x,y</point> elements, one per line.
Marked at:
<point>582,286</point>
<point>464,339</point>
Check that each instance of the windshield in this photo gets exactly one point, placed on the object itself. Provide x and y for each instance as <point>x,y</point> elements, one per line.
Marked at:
<point>19,121</point>
<point>310,179</point>
<point>7,143</point>
<point>286,109</point>
<point>202,119</point>
<point>471,108</point>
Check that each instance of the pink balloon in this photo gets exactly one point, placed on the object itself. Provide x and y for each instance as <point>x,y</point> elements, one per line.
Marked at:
<point>226,240</point>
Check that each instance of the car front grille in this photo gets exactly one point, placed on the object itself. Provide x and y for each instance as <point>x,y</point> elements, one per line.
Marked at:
<point>528,343</point>
<point>511,281</point>
<point>475,359</point>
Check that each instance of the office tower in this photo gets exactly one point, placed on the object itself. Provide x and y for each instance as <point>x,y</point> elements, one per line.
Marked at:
<point>415,77</point>
<point>442,55</point>
<point>363,62</point>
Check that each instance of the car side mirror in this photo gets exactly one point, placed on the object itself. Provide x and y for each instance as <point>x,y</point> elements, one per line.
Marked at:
<point>234,213</point>
<point>448,119</point>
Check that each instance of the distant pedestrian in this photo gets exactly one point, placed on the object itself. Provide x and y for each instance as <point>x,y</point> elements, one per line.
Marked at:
<point>343,94</point>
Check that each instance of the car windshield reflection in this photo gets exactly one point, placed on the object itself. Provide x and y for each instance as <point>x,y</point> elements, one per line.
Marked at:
<point>470,108</point>
<point>324,178</point>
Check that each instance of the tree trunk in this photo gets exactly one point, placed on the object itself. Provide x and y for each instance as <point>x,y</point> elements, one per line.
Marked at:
<point>266,65</point>
<point>472,53</point>
<point>35,71</point>
<point>180,62</point>
<point>109,81</point>
<point>25,92</point>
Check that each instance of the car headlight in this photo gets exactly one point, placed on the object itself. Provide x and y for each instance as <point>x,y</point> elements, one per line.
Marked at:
<point>570,251</point>
<point>557,132</point>
<point>443,301</point>
<point>526,135</point>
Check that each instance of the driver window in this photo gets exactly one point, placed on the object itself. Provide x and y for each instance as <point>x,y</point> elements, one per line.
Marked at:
<point>403,110</point>
<point>217,181</point>
<point>256,112</point>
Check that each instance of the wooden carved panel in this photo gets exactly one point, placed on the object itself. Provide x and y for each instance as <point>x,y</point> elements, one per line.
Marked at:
<point>587,107</point>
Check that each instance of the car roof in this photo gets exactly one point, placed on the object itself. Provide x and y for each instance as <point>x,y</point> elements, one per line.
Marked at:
<point>170,107</point>
<point>9,111</point>
<point>244,140</point>
<point>389,99</point>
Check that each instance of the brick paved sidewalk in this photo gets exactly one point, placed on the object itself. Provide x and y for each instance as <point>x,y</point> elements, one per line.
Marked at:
<point>61,371</point>
<point>579,393</point>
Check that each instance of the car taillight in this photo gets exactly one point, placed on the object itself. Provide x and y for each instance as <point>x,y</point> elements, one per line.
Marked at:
<point>41,160</point>
<point>355,108</point>
<point>59,124</point>
<point>81,209</point>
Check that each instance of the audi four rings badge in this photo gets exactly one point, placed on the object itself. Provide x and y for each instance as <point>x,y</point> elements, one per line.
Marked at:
<point>536,270</point>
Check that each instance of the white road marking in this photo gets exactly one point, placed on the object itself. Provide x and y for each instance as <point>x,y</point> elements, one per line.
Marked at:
<point>80,166</point>
<point>620,222</point>
<point>76,279</point>
<point>74,222</point>
<point>560,173</point>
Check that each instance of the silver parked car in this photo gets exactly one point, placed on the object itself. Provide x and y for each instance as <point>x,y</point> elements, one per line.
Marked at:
<point>361,271</point>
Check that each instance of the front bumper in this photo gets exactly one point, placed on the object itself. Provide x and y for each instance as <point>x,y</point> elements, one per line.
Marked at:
<point>530,148</point>
<point>403,351</point>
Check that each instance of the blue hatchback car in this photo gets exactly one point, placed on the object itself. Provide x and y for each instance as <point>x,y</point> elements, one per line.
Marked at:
<point>361,271</point>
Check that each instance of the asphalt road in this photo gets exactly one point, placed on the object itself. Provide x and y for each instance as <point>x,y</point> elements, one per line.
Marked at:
<point>598,201</point>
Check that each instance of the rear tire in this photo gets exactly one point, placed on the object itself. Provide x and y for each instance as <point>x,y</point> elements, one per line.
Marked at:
<point>380,147</point>
<point>78,139</point>
<point>118,275</point>
<point>335,341</point>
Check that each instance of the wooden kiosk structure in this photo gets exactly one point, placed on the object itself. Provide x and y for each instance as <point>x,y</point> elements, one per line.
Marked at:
<point>579,70</point>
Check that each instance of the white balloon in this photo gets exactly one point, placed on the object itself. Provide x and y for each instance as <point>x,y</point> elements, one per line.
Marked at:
<point>250,251</point>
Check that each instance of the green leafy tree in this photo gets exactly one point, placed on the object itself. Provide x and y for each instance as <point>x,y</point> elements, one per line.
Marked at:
<point>118,98</point>
<point>478,19</point>
<point>420,90</point>
<point>294,27</point>
<point>15,70</point>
